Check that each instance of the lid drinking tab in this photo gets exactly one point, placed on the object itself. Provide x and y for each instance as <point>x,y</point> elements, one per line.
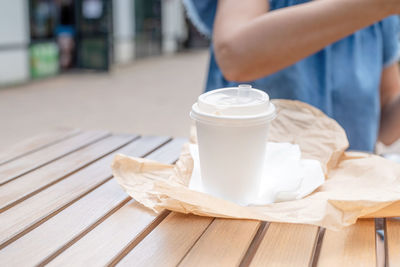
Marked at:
<point>243,91</point>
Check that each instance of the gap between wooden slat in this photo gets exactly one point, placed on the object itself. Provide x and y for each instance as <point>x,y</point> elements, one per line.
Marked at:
<point>352,246</point>
<point>317,247</point>
<point>195,242</point>
<point>392,241</point>
<point>71,242</point>
<point>151,152</point>
<point>55,212</point>
<point>225,241</point>
<point>165,245</point>
<point>102,136</point>
<point>387,259</point>
<point>380,251</point>
<point>134,138</point>
<point>297,240</point>
<point>139,237</point>
<point>255,243</point>
<point>70,133</point>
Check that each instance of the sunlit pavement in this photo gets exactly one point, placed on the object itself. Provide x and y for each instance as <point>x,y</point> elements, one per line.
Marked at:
<point>149,96</point>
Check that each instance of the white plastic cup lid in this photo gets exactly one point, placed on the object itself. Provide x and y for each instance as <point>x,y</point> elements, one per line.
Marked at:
<point>243,104</point>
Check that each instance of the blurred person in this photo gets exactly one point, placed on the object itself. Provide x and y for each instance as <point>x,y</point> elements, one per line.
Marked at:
<point>65,32</point>
<point>337,55</point>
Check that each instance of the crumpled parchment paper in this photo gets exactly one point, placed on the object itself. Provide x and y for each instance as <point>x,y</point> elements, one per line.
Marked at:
<point>357,184</point>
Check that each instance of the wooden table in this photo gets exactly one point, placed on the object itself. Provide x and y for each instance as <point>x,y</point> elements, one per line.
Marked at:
<point>59,205</point>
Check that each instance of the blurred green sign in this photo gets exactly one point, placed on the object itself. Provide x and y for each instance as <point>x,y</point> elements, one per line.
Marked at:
<point>44,60</point>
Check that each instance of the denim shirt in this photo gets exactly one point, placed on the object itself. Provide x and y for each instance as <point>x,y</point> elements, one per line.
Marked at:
<point>342,80</point>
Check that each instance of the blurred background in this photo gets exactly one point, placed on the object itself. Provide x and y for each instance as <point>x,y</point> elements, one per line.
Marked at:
<point>130,66</point>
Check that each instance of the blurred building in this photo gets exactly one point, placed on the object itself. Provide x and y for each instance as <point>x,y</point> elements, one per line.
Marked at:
<point>41,38</point>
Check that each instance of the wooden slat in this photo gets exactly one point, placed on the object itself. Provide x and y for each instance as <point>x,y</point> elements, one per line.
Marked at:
<point>286,245</point>
<point>32,182</point>
<point>35,143</point>
<point>16,168</point>
<point>165,153</point>
<point>225,242</point>
<point>30,213</point>
<point>52,235</point>
<point>352,246</point>
<point>121,230</point>
<point>168,242</point>
<point>113,235</point>
<point>393,241</point>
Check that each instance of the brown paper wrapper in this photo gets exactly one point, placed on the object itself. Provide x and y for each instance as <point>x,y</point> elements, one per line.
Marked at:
<point>357,185</point>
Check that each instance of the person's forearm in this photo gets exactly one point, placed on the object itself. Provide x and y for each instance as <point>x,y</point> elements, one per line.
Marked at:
<point>247,49</point>
<point>390,122</point>
<point>389,130</point>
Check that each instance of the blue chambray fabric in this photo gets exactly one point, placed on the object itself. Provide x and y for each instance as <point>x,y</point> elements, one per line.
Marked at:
<point>342,80</point>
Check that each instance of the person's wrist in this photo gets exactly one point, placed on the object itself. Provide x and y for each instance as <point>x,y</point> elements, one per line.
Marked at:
<point>388,7</point>
<point>382,8</point>
<point>376,8</point>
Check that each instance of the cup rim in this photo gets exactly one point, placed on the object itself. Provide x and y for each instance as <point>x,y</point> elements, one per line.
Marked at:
<point>225,120</point>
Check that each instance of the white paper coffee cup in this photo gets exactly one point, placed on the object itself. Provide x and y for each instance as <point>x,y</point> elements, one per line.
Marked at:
<point>232,128</point>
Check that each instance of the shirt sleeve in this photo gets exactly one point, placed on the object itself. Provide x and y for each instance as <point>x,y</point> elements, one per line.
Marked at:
<point>390,34</point>
<point>202,14</point>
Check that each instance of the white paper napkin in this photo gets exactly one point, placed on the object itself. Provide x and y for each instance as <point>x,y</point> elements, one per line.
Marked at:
<point>286,176</point>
